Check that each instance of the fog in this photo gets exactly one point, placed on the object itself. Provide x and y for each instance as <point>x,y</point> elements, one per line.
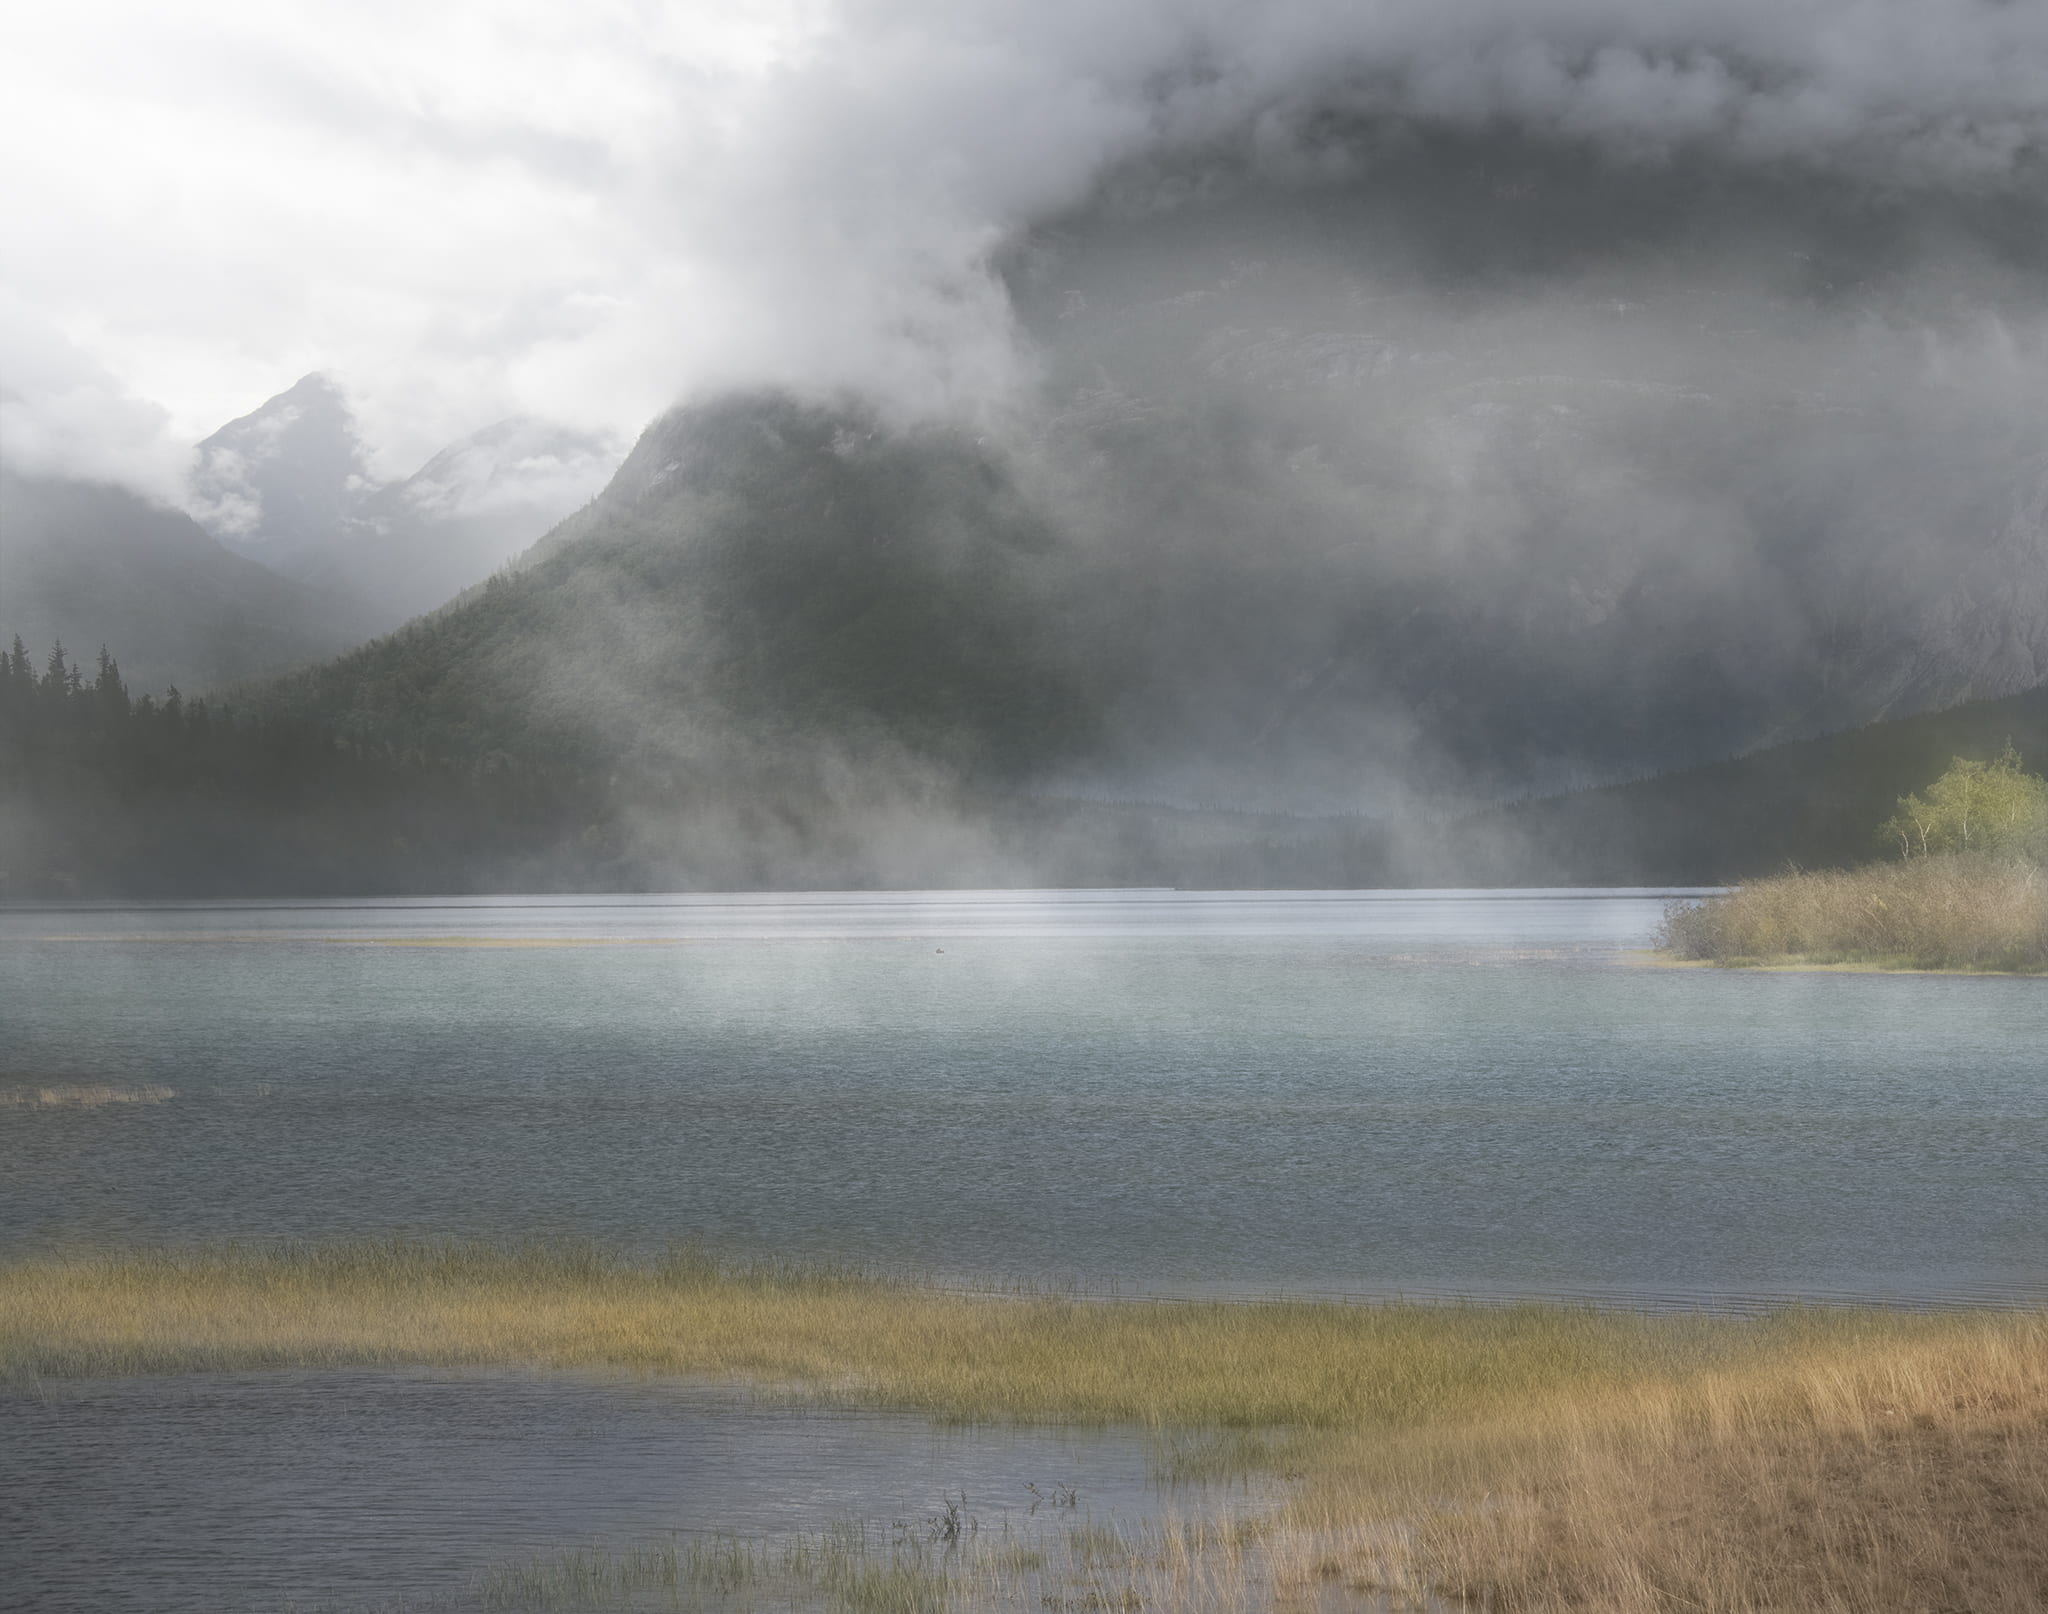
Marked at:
<point>1423,404</point>
<point>583,215</point>
<point>1507,464</point>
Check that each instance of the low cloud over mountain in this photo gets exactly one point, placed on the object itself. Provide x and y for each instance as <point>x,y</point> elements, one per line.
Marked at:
<point>1419,403</point>
<point>289,484</point>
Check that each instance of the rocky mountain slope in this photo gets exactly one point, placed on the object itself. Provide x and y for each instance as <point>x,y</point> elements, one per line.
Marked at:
<point>289,484</point>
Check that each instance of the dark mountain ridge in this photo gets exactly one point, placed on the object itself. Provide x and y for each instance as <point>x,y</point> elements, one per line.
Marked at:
<point>764,571</point>
<point>763,577</point>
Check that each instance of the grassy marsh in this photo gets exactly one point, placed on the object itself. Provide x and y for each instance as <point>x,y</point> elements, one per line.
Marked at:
<point>809,1331</point>
<point>1523,1457</point>
<point>1969,913</point>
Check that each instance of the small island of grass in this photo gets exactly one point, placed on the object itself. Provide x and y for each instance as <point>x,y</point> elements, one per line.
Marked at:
<point>1968,891</point>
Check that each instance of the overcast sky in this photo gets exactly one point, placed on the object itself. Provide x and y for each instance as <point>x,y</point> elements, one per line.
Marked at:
<point>585,211</point>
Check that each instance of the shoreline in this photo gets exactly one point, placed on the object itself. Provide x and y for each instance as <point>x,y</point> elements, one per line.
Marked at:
<point>1801,964</point>
<point>1533,1456</point>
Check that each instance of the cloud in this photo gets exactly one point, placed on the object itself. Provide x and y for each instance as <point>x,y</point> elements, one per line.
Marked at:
<point>62,413</point>
<point>581,213</point>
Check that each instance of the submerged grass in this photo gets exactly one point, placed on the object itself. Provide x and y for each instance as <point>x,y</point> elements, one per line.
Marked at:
<point>1935,913</point>
<point>1531,1457</point>
<point>841,1335</point>
<point>863,1569</point>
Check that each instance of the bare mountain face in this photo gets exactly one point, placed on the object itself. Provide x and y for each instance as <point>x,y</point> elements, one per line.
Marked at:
<point>92,565</point>
<point>289,485</point>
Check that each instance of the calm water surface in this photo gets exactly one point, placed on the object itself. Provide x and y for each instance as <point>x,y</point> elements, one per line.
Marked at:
<point>1475,1092</point>
<point>258,1492</point>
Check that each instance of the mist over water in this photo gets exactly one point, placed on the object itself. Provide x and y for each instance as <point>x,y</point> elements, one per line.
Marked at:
<point>1150,1092</point>
<point>1178,442</point>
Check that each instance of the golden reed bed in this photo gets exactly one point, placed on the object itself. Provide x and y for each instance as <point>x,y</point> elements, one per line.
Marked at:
<point>1525,1457</point>
<point>1976,914</point>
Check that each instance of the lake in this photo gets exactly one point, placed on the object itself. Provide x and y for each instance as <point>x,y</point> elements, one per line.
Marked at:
<point>1433,1093</point>
<point>1430,1094</point>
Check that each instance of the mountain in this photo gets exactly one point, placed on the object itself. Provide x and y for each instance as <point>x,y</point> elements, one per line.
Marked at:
<point>786,646</point>
<point>767,577</point>
<point>792,647</point>
<point>411,546</point>
<point>1442,476</point>
<point>289,484</point>
<point>765,583</point>
<point>91,564</point>
<point>281,483</point>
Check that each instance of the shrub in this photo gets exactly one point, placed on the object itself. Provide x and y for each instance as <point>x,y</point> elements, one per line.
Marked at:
<point>1957,912</point>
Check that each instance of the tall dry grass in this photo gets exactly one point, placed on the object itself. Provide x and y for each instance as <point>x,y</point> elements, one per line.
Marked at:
<point>1518,1458</point>
<point>1886,1472</point>
<point>1964,913</point>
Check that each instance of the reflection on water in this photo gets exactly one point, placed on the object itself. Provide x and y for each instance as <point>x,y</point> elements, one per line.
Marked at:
<point>253,1491</point>
<point>1172,1091</point>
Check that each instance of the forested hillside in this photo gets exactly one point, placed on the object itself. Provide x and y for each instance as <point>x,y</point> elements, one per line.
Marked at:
<point>792,645</point>
<point>106,795</point>
<point>765,584</point>
<point>1127,599</point>
<point>1811,804</point>
<point>90,564</point>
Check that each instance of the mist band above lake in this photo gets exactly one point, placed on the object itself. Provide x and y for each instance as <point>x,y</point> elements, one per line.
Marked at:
<point>1421,1093</point>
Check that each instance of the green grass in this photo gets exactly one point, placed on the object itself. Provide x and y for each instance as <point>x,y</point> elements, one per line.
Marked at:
<point>846,1568</point>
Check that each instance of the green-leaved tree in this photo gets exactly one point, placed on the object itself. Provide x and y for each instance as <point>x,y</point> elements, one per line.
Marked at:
<point>1994,806</point>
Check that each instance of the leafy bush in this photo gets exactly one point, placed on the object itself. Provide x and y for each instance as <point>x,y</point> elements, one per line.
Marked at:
<point>1974,807</point>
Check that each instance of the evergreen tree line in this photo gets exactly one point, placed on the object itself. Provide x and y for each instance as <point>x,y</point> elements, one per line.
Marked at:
<point>106,793</point>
